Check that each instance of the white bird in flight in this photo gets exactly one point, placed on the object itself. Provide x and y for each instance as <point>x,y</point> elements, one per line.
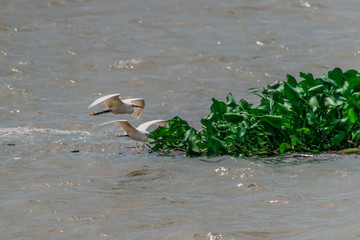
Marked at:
<point>134,106</point>
<point>140,133</point>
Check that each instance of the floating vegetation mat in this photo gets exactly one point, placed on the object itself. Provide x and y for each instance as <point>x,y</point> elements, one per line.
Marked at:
<point>313,115</point>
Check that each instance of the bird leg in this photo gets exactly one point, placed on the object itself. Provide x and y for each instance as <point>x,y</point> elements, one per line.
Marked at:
<point>97,113</point>
<point>151,149</point>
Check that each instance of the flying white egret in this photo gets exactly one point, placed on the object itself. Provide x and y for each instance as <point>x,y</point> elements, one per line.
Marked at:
<point>134,106</point>
<point>140,133</point>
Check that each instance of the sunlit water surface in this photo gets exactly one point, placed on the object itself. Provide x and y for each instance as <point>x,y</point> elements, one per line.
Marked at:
<point>63,178</point>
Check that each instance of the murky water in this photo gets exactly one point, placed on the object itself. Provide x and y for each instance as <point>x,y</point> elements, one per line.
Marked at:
<point>63,178</point>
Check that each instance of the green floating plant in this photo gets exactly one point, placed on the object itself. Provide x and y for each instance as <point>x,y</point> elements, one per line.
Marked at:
<point>313,115</point>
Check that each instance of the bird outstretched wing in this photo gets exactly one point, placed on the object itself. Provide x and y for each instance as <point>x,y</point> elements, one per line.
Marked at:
<point>139,106</point>
<point>144,126</point>
<point>109,100</point>
<point>139,102</point>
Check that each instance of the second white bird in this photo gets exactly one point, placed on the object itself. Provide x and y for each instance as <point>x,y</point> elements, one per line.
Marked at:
<point>140,133</point>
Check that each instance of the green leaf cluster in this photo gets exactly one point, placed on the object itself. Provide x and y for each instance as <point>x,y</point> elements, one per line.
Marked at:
<point>312,115</point>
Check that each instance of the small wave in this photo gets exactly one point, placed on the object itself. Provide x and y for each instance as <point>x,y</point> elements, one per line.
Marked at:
<point>124,64</point>
<point>22,131</point>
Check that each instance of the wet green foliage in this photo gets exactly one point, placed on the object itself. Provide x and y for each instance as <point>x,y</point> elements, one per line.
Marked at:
<point>312,115</point>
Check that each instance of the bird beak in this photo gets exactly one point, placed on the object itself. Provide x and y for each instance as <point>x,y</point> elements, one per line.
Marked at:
<point>97,113</point>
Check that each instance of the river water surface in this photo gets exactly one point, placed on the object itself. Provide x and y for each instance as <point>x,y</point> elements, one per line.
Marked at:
<point>63,178</point>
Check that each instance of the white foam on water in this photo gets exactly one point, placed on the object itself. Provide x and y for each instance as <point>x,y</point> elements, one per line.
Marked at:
<point>25,131</point>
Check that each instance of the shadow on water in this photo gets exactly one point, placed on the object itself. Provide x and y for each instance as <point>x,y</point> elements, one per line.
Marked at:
<point>279,160</point>
<point>295,159</point>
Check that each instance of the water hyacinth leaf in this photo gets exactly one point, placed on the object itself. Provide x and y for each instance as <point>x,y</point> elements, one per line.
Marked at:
<point>356,136</point>
<point>278,86</point>
<point>233,117</point>
<point>311,117</point>
<point>192,148</point>
<point>351,73</point>
<point>244,105</point>
<point>177,122</point>
<point>340,124</point>
<point>355,84</point>
<point>263,108</point>
<point>216,145</point>
<point>337,75</point>
<point>257,92</point>
<point>338,138</point>
<point>190,138</point>
<point>314,103</point>
<point>230,101</point>
<point>230,140</point>
<point>328,81</point>
<point>212,117</point>
<point>303,130</point>
<point>345,90</point>
<point>332,101</point>
<point>355,99</point>
<point>291,80</point>
<point>218,107</point>
<point>273,120</point>
<point>309,78</point>
<point>277,97</point>
<point>316,89</point>
<point>247,123</point>
<point>353,78</point>
<point>282,108</point>
<point>291,92</point>
<point>241,132</point>
<point>160,132</point>
<point>283,147</point>
<point>208,125</point>
<point>352,115</point>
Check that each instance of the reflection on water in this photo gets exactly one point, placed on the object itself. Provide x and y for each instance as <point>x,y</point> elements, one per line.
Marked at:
<point>63,178</point>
